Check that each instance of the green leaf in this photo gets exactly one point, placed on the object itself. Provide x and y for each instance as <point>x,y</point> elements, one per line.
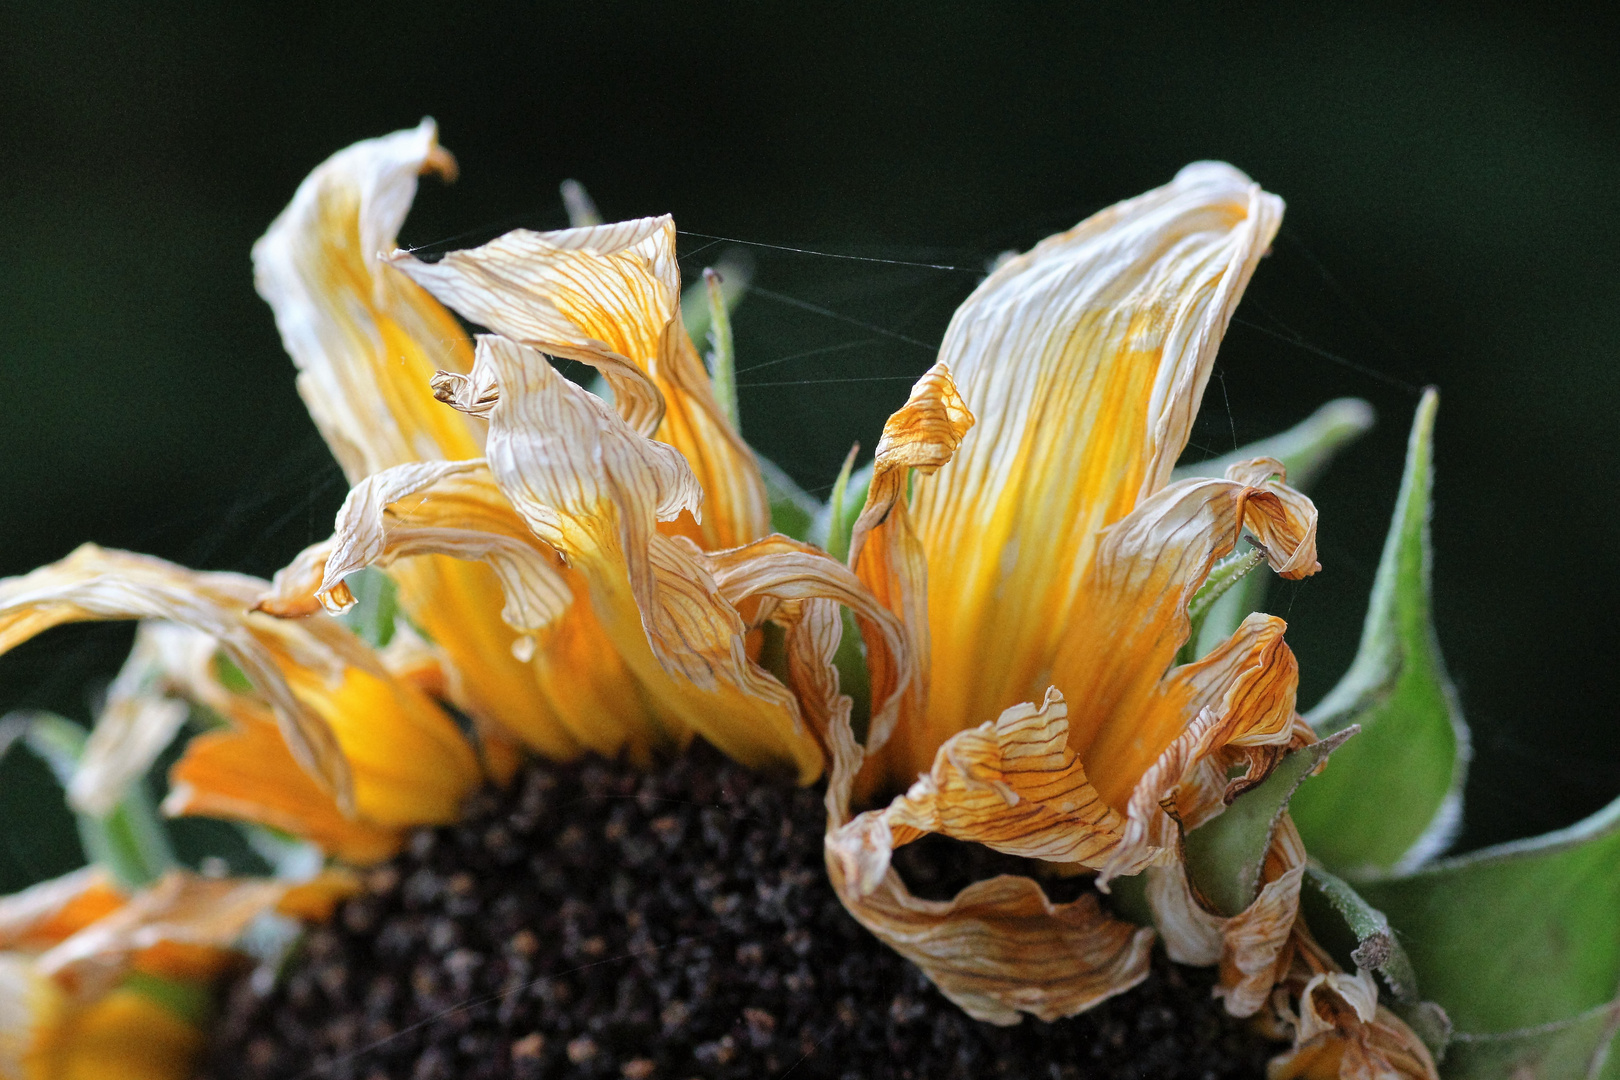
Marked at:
<point>376,606</point>
<point>130,842</point>
<point>1306,450</point>
<point>1519,935</point>
<point>1225,855</point>
<point>793,511</point>
<point>1582,1048</point>
<point>1394,799</point>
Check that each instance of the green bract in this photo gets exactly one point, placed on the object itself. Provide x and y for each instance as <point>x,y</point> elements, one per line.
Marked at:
<point>1395,798</point>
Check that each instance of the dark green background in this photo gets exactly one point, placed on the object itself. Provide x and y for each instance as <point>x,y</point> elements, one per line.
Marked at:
<point>1450,174</point>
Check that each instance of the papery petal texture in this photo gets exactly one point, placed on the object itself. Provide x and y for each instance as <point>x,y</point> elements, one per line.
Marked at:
<point>593,490</point>
<point>609,296</point>
<point>884,549</point>
<point>1011,784</point>
<point>367,341</point>
<point>1084,361</point>
<point>1000,947</point>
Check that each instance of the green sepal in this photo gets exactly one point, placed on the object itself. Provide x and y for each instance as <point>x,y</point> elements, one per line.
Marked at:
<point>736,273</point>
<point>130,842</point>
<point>1306,450</point>
<point>1224,577</point>
<point>836,520</point>
<point>191,1002</point>
<point>1393,800</point>
<point>1519,935</point>
<point>853,677</point>
<point>1225,855</point>
<point>793,511</point>
<point>722,356</point>
<point>1357,933</point>
<point>376,607</point>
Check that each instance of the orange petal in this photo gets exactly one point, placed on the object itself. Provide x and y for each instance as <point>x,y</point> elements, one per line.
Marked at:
<point>247,774</point>
<point>1011,784</point>
<point>1233,706</point>
<point>129,1036</point>
<point>593,489</point>
<point>1084,361</point>
<point>190,916</point>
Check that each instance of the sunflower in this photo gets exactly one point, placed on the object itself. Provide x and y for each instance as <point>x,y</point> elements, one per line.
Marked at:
<point>595,572</point>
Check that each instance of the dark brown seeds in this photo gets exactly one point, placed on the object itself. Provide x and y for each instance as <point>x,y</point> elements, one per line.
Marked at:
<point>597,922</point>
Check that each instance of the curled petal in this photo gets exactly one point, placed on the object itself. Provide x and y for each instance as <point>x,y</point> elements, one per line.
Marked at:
<point>93,584</point>
<point>1342,1031</point>
<point>791,572</point>
<point>455,510</point>
<point>1241,698</point>
<point>1011,784</point>
<point>1134,597</point>
<point>1253,956</point>
<point>888,557</point>
<point>365,338</point>
<point>601,295</point>
<point>1251,947</point>
<point>593,489</point>
<point>1084,360</point>
<point>1000,947</point>
<point>609,296</point>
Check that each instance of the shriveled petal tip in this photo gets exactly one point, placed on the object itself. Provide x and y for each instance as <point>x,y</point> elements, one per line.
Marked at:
<point>1085,361</point>
<point>365,338</point>
<point>885,553</point>
<point>609,295</point>
<point>925,432</point>
<point>602,295</point>
<point>1343,1032</point>
<point>445,508</point>
<point>1011,784</point>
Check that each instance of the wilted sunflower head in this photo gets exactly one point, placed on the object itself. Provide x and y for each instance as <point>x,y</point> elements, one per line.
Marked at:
<point>596,572</point>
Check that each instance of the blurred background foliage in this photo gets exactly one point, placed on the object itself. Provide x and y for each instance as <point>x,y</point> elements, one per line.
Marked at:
<point>1451,175</point>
